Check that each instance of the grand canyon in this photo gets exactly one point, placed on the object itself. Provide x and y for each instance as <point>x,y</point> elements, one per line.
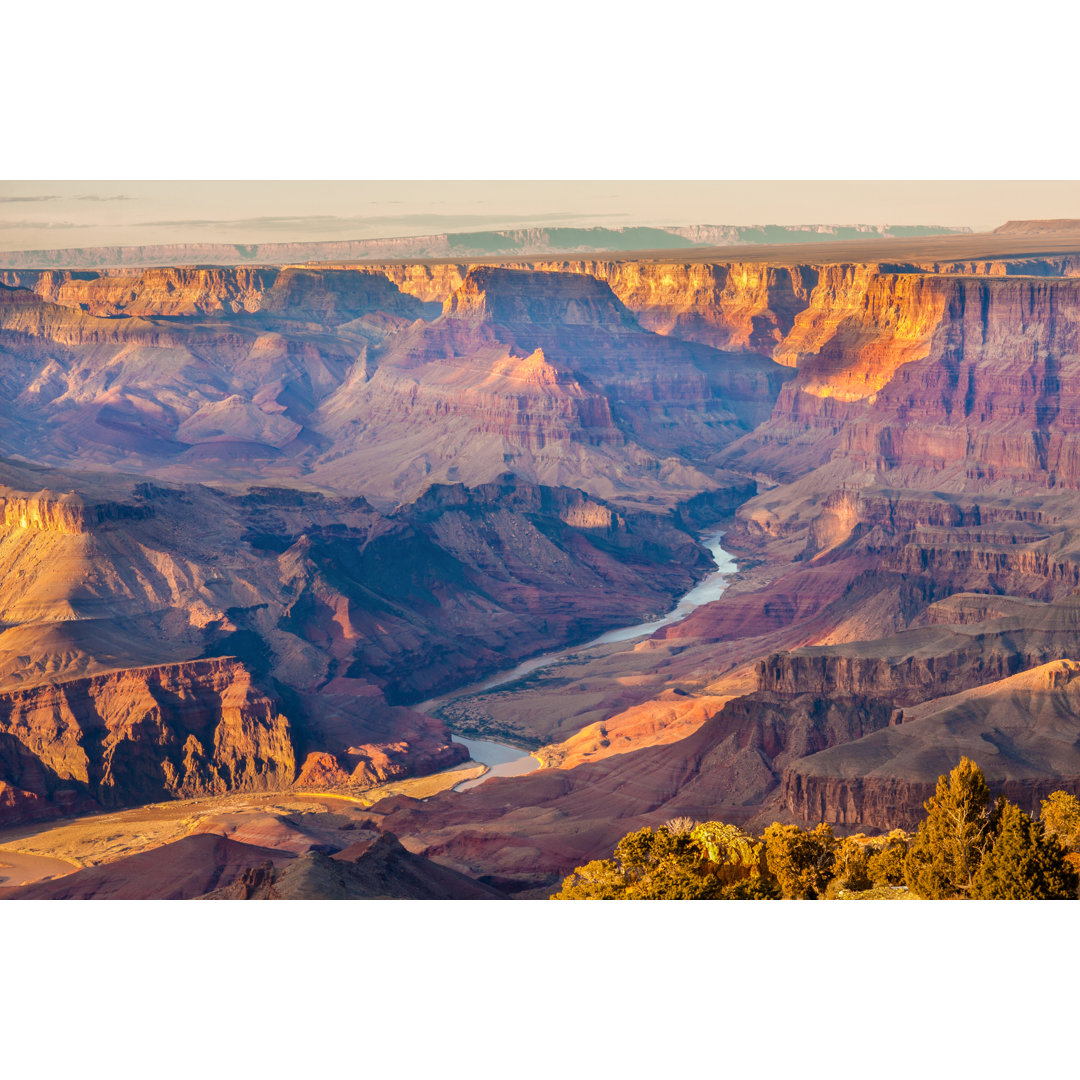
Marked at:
<point>298,543</point>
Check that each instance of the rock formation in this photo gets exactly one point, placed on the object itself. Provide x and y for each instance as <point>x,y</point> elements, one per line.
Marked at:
<point>141,734</point>
<point>320,620</point>
<point>207,866</point>
<point>259,513</point>
<point>342,377</point>
<point>1023,730</point>
<point>376,867</point>
<point>551,375</point>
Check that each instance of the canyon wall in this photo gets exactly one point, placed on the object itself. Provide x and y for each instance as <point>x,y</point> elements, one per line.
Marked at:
<point>532,441</point>
<point>1022,730</point>
<point>140,734</point>
<point>968,380</point>
<point>342,377</point>
<point>336,616</point>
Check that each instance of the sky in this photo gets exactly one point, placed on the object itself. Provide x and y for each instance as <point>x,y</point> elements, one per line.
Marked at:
<point>74,213</point>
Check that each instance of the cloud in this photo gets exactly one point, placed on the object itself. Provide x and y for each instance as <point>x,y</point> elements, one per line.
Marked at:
<point>63,198</point>
<point>45,225</point>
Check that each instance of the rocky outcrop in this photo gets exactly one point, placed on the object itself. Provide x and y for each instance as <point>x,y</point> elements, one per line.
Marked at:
<point>732,306</point>
<point>507,565</point>
<point>143,734</point>
<point>67,514</point>
<point>325,296</point>
<point>1032,266</point>
<point>338,613</point>
<point>333,373</point>
<point>929,668</point>
<point>205,866</point>
<point>848,513</point>
<point>1039,227</point>
<point>1022,731</point>
<point>171,291</point>
<point>191,397</point>
<point>969,380</point>
<point>333,297</point>
<point>959,644</point>
<point>374,867</point>
<point>859,326</point>
<point>551,376</point>
<point>850,330</point>
<point>428,282</point>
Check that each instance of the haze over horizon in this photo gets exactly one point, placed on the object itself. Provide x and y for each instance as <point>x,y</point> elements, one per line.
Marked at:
<point>71,213</point>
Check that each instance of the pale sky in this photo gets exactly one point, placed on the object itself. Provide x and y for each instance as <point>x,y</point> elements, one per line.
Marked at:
<point>72,213</point>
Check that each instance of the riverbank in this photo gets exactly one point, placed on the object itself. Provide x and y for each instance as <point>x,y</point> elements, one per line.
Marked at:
<point>506,758</point>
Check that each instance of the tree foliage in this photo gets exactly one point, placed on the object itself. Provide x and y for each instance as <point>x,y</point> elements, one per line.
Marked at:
<point>731,854</point>
<point>647,865</point>
<point>1060,817</point>
<point>1024,863</point>
<point>951,840</point>
<point>802,861</point>
<point>886,864</point>
<point>851,865</point>
<point>601,879</point>
<point>967,847</point>
<point>711,861</point>
<point>761,887</point>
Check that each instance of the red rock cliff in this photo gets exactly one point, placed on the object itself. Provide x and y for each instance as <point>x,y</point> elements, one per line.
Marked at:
<point>139,735</point>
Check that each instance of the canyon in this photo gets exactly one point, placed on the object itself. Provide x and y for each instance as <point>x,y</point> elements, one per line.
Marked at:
<point>254,515</point>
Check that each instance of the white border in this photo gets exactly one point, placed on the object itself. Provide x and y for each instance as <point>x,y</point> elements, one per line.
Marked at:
<point>584,90</point>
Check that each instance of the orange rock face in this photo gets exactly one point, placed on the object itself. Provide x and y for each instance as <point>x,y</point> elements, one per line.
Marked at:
<point>966,379</point>
<point>144,734</point>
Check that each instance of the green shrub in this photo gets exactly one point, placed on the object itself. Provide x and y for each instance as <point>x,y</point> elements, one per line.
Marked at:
<point>1061,819</point>
<point>1024,863</point>
<point>647,865</point>
<point>801,861</point>
<point>851,866</point>
<point>886,865</point>
<point>951,840</point>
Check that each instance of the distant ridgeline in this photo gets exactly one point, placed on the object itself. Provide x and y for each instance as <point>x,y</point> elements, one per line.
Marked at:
<point>516,242</point>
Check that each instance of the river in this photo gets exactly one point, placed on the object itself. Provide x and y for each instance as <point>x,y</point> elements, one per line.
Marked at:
<point>504,760</point>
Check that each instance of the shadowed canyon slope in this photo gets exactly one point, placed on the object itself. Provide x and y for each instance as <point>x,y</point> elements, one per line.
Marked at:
<point>320,616</point>
<point>205,866</point>
<point>405,478</point>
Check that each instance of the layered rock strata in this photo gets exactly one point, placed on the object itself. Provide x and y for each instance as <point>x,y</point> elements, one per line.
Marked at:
<point>1022,730</point>
<point>338,615</point>
<point>141,734</point>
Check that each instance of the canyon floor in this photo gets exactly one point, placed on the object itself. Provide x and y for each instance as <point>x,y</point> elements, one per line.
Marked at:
<point>255,517</point>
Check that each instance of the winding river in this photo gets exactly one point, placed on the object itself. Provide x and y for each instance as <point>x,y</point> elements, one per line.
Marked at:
<point>504,760</point>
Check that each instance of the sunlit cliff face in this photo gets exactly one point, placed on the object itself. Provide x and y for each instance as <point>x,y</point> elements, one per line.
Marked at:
<point>859,327</point>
